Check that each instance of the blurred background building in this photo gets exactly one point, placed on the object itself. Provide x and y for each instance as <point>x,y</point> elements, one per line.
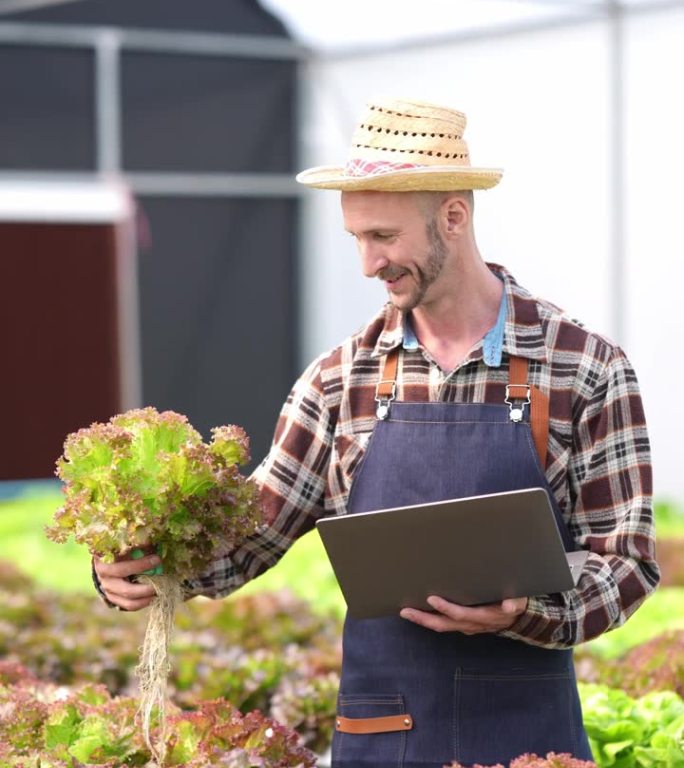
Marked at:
<point>182,124</point>
<point>189,111</point>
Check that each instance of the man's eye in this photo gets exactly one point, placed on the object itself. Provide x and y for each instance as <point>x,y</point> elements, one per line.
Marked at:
<point>383,235</point>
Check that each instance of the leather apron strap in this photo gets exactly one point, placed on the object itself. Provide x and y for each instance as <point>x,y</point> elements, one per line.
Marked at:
<point>518,387</point>
<point>387,384</point>
<point>539,405</point>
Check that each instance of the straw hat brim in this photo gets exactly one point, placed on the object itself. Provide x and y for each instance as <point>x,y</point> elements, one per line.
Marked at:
<point>432,178</point>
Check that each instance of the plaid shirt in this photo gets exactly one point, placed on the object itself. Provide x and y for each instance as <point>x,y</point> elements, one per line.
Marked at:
<point>598,463</point>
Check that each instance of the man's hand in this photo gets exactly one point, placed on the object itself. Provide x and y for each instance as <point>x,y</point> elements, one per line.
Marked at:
<point>116,586</point>
<point>451,617</point>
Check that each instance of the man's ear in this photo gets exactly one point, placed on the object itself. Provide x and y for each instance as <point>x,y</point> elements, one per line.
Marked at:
<point>455,216</point>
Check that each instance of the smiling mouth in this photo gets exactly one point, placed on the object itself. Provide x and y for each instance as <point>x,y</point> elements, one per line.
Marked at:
<point>392,278</point>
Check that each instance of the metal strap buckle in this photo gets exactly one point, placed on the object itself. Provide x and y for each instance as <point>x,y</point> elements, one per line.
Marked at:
<point>383,408</point>
<point>517,404</point>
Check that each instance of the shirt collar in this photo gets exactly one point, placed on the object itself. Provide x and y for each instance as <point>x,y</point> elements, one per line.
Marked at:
<point>492,344</point>
<point>410,340</point>
<point>521,335</point>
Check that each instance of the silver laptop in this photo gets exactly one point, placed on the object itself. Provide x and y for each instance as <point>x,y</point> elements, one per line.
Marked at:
<point>471,551</point>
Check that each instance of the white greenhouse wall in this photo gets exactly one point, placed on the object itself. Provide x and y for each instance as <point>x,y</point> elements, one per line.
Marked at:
<point>655,233</point>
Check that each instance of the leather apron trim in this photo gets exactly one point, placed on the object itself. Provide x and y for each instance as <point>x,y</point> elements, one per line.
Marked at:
<point>539,406</point>
<point>518,380</point>
<point>374,724</point>
<point>387,384</point>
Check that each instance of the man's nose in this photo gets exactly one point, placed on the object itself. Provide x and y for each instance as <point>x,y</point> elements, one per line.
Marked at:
<point>373,259</point>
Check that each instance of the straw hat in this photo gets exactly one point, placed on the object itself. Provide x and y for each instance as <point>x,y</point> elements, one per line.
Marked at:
<point>403,145</point>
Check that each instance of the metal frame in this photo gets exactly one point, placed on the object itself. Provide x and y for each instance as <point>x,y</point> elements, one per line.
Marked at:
<point>618,158</point>
<point>108,44</point>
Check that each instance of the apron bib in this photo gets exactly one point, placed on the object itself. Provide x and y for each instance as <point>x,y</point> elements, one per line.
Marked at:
<point>448,696</point>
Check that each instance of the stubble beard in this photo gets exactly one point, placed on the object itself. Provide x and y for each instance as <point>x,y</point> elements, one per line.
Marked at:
<point>426,275</point>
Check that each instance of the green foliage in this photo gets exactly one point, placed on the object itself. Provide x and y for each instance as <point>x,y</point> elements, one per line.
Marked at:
<point>663,611</point>
<point>305,703</point>
<point>670,543</point>
<point>670,555</point>
<point>656,665</point>
<point>43,725</point>
<point>272,651</point>
<point>147,478</point>
<point>634,733</point>
<point>305,570</point>
<point>669,519</point>
<point>21,717</point>
<point>22,521</point>
<point>266,650</point>
<point>256,651</point>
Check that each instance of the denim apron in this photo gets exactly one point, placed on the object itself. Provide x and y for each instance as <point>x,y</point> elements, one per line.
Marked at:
<point>441,697</point>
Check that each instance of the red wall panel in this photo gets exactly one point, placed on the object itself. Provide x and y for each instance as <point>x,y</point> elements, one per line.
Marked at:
<point>59,360</point>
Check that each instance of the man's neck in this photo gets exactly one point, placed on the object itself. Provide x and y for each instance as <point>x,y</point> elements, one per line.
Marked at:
<point>453,323</point>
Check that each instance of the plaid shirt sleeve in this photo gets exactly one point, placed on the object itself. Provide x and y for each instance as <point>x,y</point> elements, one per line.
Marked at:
<point>609,477</point>
<point>292,481</point>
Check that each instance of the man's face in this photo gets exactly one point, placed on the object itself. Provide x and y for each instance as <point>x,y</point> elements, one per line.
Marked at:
<point>397,244</point>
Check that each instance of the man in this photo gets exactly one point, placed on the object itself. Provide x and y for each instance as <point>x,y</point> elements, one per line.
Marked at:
<point>440,378</point>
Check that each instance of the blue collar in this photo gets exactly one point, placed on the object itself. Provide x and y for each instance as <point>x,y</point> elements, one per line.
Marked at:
<point>492,344</point>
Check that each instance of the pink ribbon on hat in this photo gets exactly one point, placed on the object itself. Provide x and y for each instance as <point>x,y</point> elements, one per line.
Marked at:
<point>356,167</point>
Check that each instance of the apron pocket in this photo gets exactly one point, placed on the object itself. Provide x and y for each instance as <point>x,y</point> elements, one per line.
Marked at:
<point>500,716</point>
<point>376,749</point>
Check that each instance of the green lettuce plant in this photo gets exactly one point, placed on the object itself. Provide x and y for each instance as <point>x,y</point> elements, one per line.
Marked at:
<point>634,733</point>
<point>146,479</point>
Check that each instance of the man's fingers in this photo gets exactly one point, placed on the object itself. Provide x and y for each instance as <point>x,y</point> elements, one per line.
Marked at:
<point>452,610</point>
<point>514,606</point>
<point>480,614</point>
<point>119,585</point>
<point>124,568</point>
<point>126,595</point>
<point>133,605</point>
<point>126,589</point>
<point>434,621</point>
<point>451,617</point>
